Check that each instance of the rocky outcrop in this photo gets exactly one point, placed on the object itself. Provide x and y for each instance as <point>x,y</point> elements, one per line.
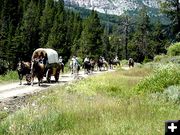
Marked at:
<point>116,7</point>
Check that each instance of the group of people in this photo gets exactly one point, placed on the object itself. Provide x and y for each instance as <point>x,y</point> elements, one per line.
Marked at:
<point>88,64</point>
<point>44,60</point>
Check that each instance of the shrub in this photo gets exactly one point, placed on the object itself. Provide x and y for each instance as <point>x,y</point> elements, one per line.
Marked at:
<point>175,59</point>
<point>158,58</point>
<point>172,93</point>
<point>164,76</point>
<point>174,49</point>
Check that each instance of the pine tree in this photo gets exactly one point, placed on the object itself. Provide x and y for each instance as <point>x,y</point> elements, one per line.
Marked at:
<point>126,30</point>
<point>160,38</point>
<point>141,42</point>
<point>91,38</point>
<point>29,31</point>
<point>57,36</point>
<point>10,16</point>
<point>76,33</point>
<point>46,21</point>
<point>172,9</point>
<point>106,44</point>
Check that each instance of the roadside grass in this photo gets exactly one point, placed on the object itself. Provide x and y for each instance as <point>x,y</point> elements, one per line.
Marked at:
<point>104,104</point>
<point>138,72</point>
<point>10,76</point>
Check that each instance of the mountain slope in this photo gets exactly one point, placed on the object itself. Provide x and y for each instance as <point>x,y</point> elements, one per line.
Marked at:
<point>116,7</point>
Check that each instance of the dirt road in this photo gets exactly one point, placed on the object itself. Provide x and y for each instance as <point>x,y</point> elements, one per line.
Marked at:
<point>14,89</point>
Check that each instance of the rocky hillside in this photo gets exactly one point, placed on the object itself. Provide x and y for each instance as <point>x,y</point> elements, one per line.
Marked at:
<point>116,7</point>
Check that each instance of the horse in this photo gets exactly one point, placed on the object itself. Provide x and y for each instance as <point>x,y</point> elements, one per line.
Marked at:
<point>37,69</point>
<point>75,67</point>
<point>24,68</point>
<point>114,62</point>
<point>92,63</point>
<point>105,65</point>
<point>131,62</point>
<point>61,66</point>
<point>87,67</point>
<point>102,64</point>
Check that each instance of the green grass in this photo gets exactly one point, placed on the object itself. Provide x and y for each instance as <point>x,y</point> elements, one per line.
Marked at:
<point>13,76</point>
<point>104,104</point>
<point>10,76</point>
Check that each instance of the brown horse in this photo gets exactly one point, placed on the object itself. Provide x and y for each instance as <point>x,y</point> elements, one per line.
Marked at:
<point>131,62</point>
<point>37,69</point>
<point>114,62</point>
<point>24,68</point>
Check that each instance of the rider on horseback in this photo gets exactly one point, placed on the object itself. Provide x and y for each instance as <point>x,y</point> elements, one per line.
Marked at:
<point>116,58</point>
<point>86,59</point>
<point>61,60</point>
<point>103,59</point>
<point>100,58</point>
<point>75,64</point>
<point>87,65</point>
<point>76,58</point>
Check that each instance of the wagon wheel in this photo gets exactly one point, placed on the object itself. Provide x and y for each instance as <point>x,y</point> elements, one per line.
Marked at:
<point>57,75</point>
<point>48,75</point>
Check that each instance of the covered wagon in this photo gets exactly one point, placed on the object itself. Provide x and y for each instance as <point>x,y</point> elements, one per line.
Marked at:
<point>49,58</point>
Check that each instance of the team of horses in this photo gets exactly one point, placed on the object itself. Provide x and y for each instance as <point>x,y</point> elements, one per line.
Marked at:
<point>37,69</point>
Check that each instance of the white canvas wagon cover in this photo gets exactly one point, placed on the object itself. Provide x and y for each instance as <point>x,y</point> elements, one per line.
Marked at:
<point>52,55</point>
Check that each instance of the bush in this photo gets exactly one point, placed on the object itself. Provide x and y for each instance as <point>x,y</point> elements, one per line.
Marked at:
<point>175,59</point>
<point>158,58</point>
<point>167,59</point>
<point>172,93</point>
<point>174,49</point>
<point>164,76</point>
